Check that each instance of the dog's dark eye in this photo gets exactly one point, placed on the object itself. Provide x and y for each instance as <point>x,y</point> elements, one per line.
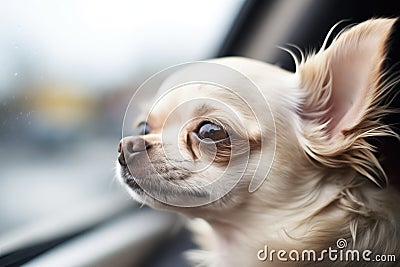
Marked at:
<point>144,128</point>
<point>212,131</point>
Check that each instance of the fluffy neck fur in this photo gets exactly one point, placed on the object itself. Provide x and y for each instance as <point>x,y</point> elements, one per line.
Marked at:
<point>365,216</point>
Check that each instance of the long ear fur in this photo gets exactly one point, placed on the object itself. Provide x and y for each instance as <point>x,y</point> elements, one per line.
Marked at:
<point>344,87</point>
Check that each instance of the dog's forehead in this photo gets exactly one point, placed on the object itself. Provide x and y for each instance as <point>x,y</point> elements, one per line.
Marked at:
<point>244,86</point>
<point>201,81</point>
<point>185,99</point>
<point>223,73</point>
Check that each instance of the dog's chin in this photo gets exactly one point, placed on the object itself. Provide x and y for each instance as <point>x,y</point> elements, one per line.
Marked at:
<point>154,196</point>
<point>126,178</point>
<point>158,197</point>
<point>136,191</point>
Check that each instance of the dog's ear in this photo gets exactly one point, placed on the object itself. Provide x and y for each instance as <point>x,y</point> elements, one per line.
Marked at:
<point>344,84</point>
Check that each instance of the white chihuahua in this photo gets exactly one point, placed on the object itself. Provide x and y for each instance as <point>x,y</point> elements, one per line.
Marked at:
<point>281,175</point>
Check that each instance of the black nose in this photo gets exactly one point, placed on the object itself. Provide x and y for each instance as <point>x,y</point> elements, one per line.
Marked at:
<point>130,145</point>
<point>121,158</point>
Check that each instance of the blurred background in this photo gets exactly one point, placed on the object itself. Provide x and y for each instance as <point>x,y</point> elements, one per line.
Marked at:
<point>67,72</point>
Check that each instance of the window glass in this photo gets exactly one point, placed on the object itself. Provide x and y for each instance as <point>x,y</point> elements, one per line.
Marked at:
<point>67,72</point>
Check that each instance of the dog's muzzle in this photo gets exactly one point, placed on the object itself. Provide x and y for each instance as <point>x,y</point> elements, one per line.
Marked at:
<point>130,146</point>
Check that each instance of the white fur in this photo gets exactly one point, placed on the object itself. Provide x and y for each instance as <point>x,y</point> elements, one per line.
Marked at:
<point>324,183</point>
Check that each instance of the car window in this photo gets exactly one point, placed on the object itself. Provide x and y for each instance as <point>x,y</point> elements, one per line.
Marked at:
<point>68,70</point>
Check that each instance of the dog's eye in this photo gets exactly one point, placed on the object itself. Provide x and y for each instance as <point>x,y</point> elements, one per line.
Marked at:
<point>212,131</point>
<point>144,128</point>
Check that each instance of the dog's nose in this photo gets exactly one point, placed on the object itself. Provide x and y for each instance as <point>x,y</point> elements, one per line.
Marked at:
<point>121,158</point>
<point>130,145</point>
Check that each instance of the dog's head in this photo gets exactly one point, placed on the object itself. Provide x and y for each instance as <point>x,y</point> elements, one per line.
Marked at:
<point>248,132</point>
